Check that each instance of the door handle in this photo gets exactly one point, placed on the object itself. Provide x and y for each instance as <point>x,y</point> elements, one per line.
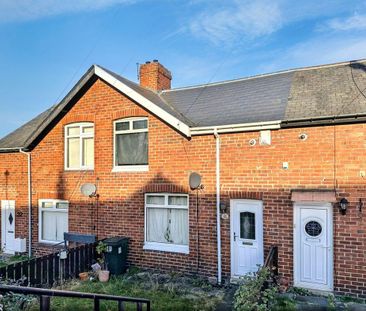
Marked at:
<point>235,236</point>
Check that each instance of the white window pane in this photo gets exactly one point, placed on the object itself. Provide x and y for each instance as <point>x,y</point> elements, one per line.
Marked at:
<point>140,124</point>
<point>155,199</point>
<point>123,126</point>
<point>177,200</point>
<point>179,226</point>
<point>88,130</point>
<point>73,156</point>
<point>75,130</point>
<point>47,204</point>
<point>88,152</point>
<point>62,205</point>
<point>158,225</point>
<point>61,225</point>
<point>48,226</point>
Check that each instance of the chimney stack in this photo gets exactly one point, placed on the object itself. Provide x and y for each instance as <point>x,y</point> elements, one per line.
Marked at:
<point>155,76</point>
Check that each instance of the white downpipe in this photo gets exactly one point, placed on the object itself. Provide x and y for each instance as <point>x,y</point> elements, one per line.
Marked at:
<point>218,219</point>
<point>29,201</point>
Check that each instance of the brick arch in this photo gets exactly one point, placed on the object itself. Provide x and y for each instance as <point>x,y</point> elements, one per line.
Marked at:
<point>129,113</point>
<point>78,118</point>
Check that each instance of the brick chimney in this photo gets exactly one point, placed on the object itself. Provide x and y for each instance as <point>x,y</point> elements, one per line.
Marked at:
<point>155,76</point>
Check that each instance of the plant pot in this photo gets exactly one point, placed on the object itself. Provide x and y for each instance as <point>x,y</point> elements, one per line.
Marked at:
<point>83,276</point>
<point>103,275</point>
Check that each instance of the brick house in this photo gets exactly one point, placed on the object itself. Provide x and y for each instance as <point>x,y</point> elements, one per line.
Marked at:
<point>277,154</point>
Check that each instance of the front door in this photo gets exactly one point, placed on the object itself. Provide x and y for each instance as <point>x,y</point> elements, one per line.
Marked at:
<point>313,243</point>
<point>8,226</point>
<point>246,236</point>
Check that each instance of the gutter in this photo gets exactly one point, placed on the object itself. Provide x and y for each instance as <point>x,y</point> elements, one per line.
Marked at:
<point>29,201</point>
<point>231,128</point>
<point>218,220</point>
<point>325,120</point>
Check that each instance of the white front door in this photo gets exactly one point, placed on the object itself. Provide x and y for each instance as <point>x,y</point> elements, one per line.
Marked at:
<point>246,236</point>
<point>313,246</point>
<point>8,226</point>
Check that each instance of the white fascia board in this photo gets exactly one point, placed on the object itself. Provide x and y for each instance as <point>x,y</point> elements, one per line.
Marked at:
<point>231,128</point>
<point>143,101</point>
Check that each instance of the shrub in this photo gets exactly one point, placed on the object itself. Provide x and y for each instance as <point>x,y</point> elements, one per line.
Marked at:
<point>255,293</point>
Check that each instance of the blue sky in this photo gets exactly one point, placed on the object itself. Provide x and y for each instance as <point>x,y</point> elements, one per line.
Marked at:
<point>46,45</point>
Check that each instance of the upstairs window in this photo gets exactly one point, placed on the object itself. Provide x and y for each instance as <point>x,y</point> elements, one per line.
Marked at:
<point>79,146</point>
<point>131,144</point>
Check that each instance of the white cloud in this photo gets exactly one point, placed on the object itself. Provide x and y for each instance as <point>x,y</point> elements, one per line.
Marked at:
<point>23,10</point>
<point>240,20</point>
<point>355,22</point>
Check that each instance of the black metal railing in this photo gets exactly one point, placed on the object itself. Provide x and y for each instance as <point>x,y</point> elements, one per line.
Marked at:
<point>46,294</point>
<point>47,270</point>
<point>271,262</point>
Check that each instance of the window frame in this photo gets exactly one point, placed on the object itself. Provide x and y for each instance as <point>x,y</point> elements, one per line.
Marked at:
<point>81,135</point>
<point>53,209</point>
<point>165,247</point>
<point>129,168</point>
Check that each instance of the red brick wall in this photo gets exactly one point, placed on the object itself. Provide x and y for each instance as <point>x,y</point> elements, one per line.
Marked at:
<point>246,172</point>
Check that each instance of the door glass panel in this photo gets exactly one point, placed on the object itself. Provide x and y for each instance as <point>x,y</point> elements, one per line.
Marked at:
<point>247,225</point>
<point>313,228</point>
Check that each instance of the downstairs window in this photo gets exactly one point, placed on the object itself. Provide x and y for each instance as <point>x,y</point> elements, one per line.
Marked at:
<point>166,222</point>
<point>53,220</point>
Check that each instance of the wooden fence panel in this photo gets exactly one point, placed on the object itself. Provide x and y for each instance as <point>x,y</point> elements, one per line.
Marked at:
<point>25,272</point>
<point>44,262</point>
<point>50,269</point>
<point>77,261</point>
<point>17,271</point>
<point>10,272</point>
<point>57,264</point>
<point>38,278</point>
<point>3,273</point>
<point>82,258</point>
<point>32,272</point>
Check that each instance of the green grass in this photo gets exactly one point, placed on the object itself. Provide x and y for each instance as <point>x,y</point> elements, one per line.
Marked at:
<point>163,297</point>
<point>13,259</point>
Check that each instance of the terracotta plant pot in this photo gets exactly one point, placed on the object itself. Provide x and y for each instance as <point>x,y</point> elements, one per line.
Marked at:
<point>83,276</point>
<point>103,275</point>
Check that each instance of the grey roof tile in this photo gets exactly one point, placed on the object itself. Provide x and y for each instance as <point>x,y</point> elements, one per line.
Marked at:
<point>323,91</point>
<point>249,100</point>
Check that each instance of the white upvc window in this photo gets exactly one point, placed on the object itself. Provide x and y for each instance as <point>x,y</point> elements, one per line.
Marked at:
<point>79,146</point>
<point>53,220</point>
<point>131,145</point>
<point>167,222</point>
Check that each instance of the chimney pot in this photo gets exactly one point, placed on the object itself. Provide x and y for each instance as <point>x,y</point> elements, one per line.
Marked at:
<point>155,61</point>
<point>148,62</point>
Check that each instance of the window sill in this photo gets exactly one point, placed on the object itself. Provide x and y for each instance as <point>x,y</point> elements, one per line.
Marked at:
<point>78,169</point>
<point>50,244</point>
<point>184,249</point>
<point>131,168</point>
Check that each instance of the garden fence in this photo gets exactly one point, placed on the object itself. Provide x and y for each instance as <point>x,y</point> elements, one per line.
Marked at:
<point>50,269</point>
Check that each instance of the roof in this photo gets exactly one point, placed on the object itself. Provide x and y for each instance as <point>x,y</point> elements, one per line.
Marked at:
<point>242,101</point>
<point>288,98</point>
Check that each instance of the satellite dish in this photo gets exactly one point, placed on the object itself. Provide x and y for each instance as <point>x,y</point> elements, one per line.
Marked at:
<point>194,180</point>
<point>88,189</point>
